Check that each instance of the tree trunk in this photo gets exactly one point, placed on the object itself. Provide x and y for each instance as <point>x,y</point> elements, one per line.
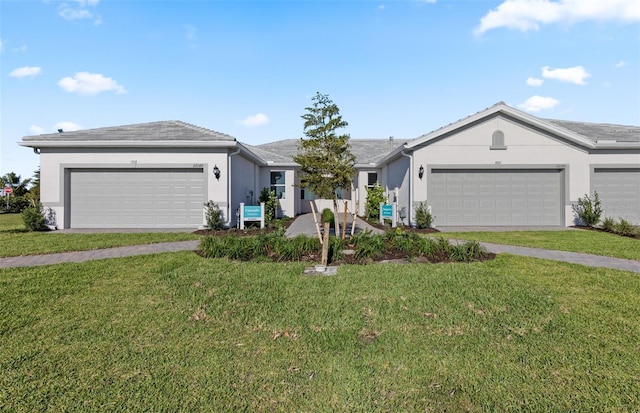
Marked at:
<point>325,244</point>
<point>336,217</point>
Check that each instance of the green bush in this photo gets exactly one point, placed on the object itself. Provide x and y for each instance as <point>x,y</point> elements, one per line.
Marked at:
<point>467,252</point>
<point>609,224</point>
<point>368,245</point>
<point>375,195</point>
<point>213,216</point>
<point>424,219</point>
<point>15,204</point>
<point>327,216</point>
<point>34,219</point>
<point>625,228</point>
<point>268,196</point>
<point>589,210</point>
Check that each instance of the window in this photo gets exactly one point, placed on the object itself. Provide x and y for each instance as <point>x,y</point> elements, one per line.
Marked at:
<point>497,140</point>
<point>372,179</point>
<point>278,184</point>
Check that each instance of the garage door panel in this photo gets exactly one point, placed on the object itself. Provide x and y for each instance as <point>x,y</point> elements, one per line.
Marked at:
<point>157,198</point>
<point>619,192</point>
<point>500,197</point>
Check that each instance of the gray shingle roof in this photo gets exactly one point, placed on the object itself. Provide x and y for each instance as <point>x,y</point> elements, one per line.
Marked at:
<point>600,131</point>
<point>172,130</point>
<point>365,150</point>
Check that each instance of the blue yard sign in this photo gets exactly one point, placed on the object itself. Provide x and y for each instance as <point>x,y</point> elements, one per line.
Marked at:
<point>388,212</point>
<point>252,211</point>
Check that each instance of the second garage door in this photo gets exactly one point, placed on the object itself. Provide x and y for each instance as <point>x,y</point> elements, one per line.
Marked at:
<point>619,191</point>
<point>496,197</point>
<point>140,198</point>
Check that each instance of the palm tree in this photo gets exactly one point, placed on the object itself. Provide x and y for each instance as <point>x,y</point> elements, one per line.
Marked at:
<point>19,186</point>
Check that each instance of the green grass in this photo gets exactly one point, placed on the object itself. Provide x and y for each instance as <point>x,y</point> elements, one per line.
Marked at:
<point>588,242</point>
<point>16,241</point>
<point>176,332</point>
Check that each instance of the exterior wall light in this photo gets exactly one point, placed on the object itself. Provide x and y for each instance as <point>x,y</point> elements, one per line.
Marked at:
<point>216,172</point>
<point>421,172</point>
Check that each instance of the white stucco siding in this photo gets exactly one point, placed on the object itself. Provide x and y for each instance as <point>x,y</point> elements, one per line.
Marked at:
<point>287,204</point>
<point>54,162</point>
<point>397,178</point>
<point>244,184</point>
<point>524,147</point>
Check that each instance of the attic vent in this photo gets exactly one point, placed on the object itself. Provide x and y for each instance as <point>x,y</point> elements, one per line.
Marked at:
<point>497,141</point>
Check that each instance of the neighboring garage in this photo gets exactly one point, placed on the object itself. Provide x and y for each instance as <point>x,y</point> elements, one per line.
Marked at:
<point>619,192</point>
<point>496,197</point>
<point>135,198</point>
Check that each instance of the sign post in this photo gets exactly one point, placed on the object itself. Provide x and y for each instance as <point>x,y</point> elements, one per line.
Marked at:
<point>251,213</point>
<point>388,211</point>
<point>7,190</point>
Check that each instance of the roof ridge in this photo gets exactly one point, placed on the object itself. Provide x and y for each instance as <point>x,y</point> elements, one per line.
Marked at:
<point>199,128</point>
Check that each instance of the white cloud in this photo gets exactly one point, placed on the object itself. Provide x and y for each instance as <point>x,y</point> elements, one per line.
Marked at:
<point>2,45</point>
<point>36,130</point>
<point>537,103</point>
<point>621,63</point>
<point>527,15</point>
<point>532,81</point>
<point>380,7</point>
<point>256,120</point>
<point>26,71</point>
<point>575,74</point>
<point>67,126</point>
<point>86,83</point>
<point>79,9</point>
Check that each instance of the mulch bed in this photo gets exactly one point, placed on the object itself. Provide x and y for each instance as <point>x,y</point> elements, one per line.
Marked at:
<point>603,230</point>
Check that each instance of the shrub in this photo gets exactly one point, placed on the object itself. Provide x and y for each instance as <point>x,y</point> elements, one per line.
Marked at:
<point>327,216</point>
<point>424,219</point>
<point>625,228</point>
<point>34,219</point>
<point>589,210</point>
<point>15,204</point>
<point>268,196</point>
<point>368,245</point>
<point>375,195</point>
<point>467,252</point>
<point>609,224</point>
<point>213,216</point>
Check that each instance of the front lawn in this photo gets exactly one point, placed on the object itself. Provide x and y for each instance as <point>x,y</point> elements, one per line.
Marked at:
<point>584,241</point>
<point>176,332</point>
<point>16,241</point>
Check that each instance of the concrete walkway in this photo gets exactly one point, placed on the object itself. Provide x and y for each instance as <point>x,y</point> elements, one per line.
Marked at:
<point>304,225</point>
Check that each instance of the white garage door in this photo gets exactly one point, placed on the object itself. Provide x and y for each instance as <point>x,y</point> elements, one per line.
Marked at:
<point>496,197</point>
<point>140,198</point>
<point>619,192</point>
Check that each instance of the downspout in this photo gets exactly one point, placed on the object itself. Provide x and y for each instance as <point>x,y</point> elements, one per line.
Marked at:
<point>228,223</point>
<point>410,206</point>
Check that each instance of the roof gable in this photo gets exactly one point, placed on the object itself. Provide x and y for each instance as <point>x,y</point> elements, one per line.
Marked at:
<point>587,135</point>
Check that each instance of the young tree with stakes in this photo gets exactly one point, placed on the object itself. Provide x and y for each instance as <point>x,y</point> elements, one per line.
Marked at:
<point>325,158</point>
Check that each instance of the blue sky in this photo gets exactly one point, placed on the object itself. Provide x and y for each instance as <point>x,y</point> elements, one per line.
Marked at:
<point>249,68</point>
